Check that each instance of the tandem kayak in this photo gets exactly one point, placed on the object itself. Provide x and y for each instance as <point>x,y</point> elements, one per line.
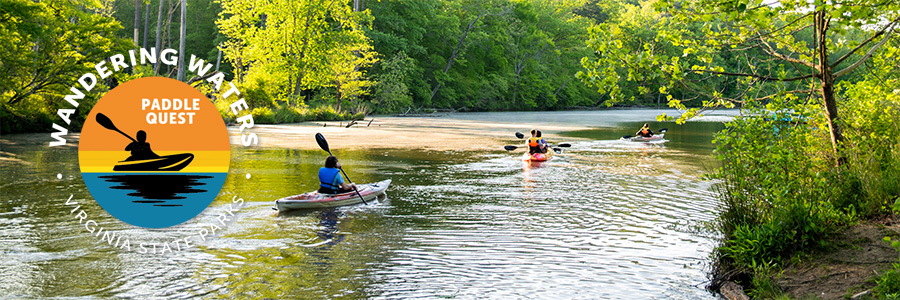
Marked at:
<point>317,200</point>
<point>174,162</point>
<point>537,156</point>
<point>657,137</point>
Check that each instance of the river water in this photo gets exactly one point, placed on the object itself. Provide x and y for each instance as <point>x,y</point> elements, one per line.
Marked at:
<point>607,219</point>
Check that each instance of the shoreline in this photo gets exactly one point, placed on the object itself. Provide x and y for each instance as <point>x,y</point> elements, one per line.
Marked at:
<point>425,133</point>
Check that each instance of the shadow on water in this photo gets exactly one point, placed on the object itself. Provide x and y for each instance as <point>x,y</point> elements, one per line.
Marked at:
<point>158,188</point>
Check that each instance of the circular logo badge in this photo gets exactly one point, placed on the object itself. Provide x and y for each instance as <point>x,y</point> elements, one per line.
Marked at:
<point>154,152</point>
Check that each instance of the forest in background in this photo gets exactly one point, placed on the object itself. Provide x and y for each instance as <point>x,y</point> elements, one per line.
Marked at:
<point>309,60</point>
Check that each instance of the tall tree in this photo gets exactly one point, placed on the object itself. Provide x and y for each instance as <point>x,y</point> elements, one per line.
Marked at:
<point>49,45</point>
<point>181,41</point>
<point>146,25</point>
<point>291,46</point>
<point>474,11</point>
<point>799,48</point>
<point>159,26</point>
<point>137,22</point>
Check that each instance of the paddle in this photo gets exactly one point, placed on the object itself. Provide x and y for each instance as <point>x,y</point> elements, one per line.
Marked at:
<point>631,136</point>
<point>108,124</point>
<point>520,135</point>
<point>564,145</point>
<point>320,139</point>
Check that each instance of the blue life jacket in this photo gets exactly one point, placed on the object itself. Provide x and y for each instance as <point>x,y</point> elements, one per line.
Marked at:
<point>326,178</point>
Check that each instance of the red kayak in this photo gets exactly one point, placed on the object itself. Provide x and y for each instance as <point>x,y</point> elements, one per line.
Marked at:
<point>537,156</point>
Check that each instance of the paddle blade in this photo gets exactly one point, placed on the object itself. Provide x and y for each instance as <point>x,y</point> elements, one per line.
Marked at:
<point>510,148</point>
<point>520,135</point>
<point>557,150</point>
<point>627,137</point>
<point>663,130</point>
<point>564,145</point>
<point>320,139</point>
<point>105,122</point>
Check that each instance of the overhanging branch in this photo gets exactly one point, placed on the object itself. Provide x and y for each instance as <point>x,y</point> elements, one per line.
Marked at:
<point>767,78</point>
<point>882,31</point>
<point>865,57</point>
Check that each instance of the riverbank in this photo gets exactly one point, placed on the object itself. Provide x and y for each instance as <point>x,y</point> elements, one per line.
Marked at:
<point>849,269</point>
<point>425,133</point>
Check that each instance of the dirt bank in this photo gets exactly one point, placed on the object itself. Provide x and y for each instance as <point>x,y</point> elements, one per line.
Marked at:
<point>848,270</point>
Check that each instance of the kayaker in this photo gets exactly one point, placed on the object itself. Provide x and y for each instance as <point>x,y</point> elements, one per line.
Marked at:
<point>534,143</point>
<point>645,131</point>
<point>330,179</point>
<point>542,141</point>
<point>140,150</point>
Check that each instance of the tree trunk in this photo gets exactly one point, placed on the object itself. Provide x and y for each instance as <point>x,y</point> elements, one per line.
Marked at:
<point>159,25</point>
<point>181,45</point>
<point>169,31</point>
<point>146,25</point>
<point>218,59</point>
<point>299,87</point>
<point>516,89</point>
<point>827,78</point>
<point>456,51</point>
<point>137,22</point>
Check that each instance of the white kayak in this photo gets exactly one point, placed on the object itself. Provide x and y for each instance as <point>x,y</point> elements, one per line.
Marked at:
<point>656,137</point>
<point>315,199</point>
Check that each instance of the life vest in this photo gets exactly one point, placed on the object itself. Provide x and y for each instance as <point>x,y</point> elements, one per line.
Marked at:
<point>534,141</point>
<point>326,177</point>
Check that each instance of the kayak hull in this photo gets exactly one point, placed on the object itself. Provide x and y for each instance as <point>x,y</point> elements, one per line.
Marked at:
<point>174,162</point>
<point>537,156</point>
<point>317,200</point>
<point>657,137</point>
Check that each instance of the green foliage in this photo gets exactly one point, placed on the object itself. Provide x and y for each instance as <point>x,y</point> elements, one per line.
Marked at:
<point>888,284</point>
<point>291,47</point>
<point>392,93</point>
<point>481,55</point>
<point>779,192</point>
<point>48,45</point>
<point>711,54</point>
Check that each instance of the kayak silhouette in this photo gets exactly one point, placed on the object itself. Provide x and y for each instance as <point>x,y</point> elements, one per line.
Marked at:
<point>142,157</point>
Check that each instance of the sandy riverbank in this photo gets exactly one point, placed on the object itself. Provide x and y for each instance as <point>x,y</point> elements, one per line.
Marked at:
<point>444,133</point>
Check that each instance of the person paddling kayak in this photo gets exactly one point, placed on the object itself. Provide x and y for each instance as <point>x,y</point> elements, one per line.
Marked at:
<point>544,145</point>
<point>536,143</point>
<point>330,179</point>
<point>645,131</point>
<point>140,149</point>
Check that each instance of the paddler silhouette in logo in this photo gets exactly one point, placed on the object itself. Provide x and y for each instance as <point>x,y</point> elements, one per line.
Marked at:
<point>142,158</point>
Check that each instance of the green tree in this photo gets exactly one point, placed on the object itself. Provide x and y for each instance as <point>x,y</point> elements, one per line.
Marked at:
<point>289,47</point>
<point>795,50</point>
<point>48,45</point>
<point>392,93</point>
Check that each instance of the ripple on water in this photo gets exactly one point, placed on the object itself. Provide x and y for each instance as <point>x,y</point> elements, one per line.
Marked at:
<point>606,219</point>
<point>559,227</point>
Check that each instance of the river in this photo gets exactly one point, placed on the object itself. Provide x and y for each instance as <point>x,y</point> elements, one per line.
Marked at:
<point>607,219</point>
